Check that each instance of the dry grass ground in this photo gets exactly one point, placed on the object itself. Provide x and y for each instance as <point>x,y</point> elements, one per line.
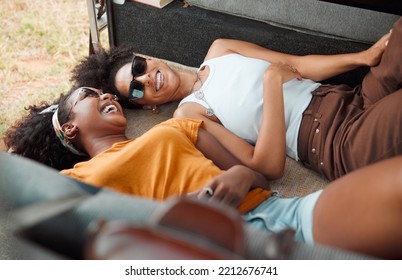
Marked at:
<point>40,42</point>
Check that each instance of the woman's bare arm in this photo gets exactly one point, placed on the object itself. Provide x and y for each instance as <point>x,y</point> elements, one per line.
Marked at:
<point>314,67</point>
<point>215,151</point>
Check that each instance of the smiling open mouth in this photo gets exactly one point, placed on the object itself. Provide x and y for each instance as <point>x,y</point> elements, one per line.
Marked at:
<point>159,80</point>
<point>109,109</point>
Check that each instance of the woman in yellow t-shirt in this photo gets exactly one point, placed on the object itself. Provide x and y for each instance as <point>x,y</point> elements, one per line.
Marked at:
<point>178,157</point>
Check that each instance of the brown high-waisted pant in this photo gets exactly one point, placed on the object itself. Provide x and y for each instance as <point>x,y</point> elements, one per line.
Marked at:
<point>344,129</point>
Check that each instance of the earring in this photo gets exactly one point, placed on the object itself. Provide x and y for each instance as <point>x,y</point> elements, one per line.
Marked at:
<point>75,135</point>
<point>69,138</point>
<point>155,109</point>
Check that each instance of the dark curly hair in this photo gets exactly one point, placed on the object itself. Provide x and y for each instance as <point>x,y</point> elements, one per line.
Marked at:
<point>33,136</point>
<point>99,70</point>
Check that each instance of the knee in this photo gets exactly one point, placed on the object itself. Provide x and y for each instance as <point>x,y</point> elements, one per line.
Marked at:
<point>389,107</point>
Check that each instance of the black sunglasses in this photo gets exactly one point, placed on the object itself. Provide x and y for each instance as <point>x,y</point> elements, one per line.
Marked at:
<point>138,68</point>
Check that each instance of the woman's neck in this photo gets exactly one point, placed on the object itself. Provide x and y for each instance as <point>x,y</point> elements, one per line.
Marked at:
<point>188,79</point>
<point>102,144</point>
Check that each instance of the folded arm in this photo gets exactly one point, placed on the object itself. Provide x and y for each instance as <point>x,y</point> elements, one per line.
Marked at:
<point>268,156</point>
<point>231,186</point>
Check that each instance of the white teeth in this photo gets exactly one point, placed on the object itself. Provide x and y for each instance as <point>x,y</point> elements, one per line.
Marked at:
<point>109,108</point>
<point>158,81</point>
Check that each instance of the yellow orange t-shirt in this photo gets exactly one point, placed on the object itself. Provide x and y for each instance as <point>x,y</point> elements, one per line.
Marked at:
<point>161,163</point>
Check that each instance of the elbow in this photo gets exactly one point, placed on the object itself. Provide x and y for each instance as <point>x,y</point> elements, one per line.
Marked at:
<point>275,175</point>
<point>273,172</point>
<point>279,174</point>
<point>271,168</point>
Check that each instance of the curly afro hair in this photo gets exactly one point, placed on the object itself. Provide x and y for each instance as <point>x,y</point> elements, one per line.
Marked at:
<point>33,137</point>
<point>99,70</point>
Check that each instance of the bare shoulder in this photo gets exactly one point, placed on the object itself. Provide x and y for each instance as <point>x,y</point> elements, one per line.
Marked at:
<point>218,48</point>
<point>194,111</point>
<point>188,110</point>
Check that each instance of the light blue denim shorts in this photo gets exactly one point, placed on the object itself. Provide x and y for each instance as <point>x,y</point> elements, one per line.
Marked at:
<point>276,214</point>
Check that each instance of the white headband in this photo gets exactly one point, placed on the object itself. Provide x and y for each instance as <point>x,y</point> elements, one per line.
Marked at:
<point>59,132</point>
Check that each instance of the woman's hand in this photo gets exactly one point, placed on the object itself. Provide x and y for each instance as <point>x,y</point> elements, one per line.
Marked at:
<point>230,187</point>
<point>372,56</point>
<point>284,71</point>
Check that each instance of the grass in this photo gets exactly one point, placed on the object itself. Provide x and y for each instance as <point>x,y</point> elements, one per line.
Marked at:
<point>40,42</point>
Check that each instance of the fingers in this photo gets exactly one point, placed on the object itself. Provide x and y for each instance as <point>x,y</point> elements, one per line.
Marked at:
<point>287,71</point>
<point>383,41</point>
<point>205,193</point>
<point>193,194</point>
<point>208,191</point>
<point>219,195</point>
<point>372,56</point>
<point>295,72</point>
